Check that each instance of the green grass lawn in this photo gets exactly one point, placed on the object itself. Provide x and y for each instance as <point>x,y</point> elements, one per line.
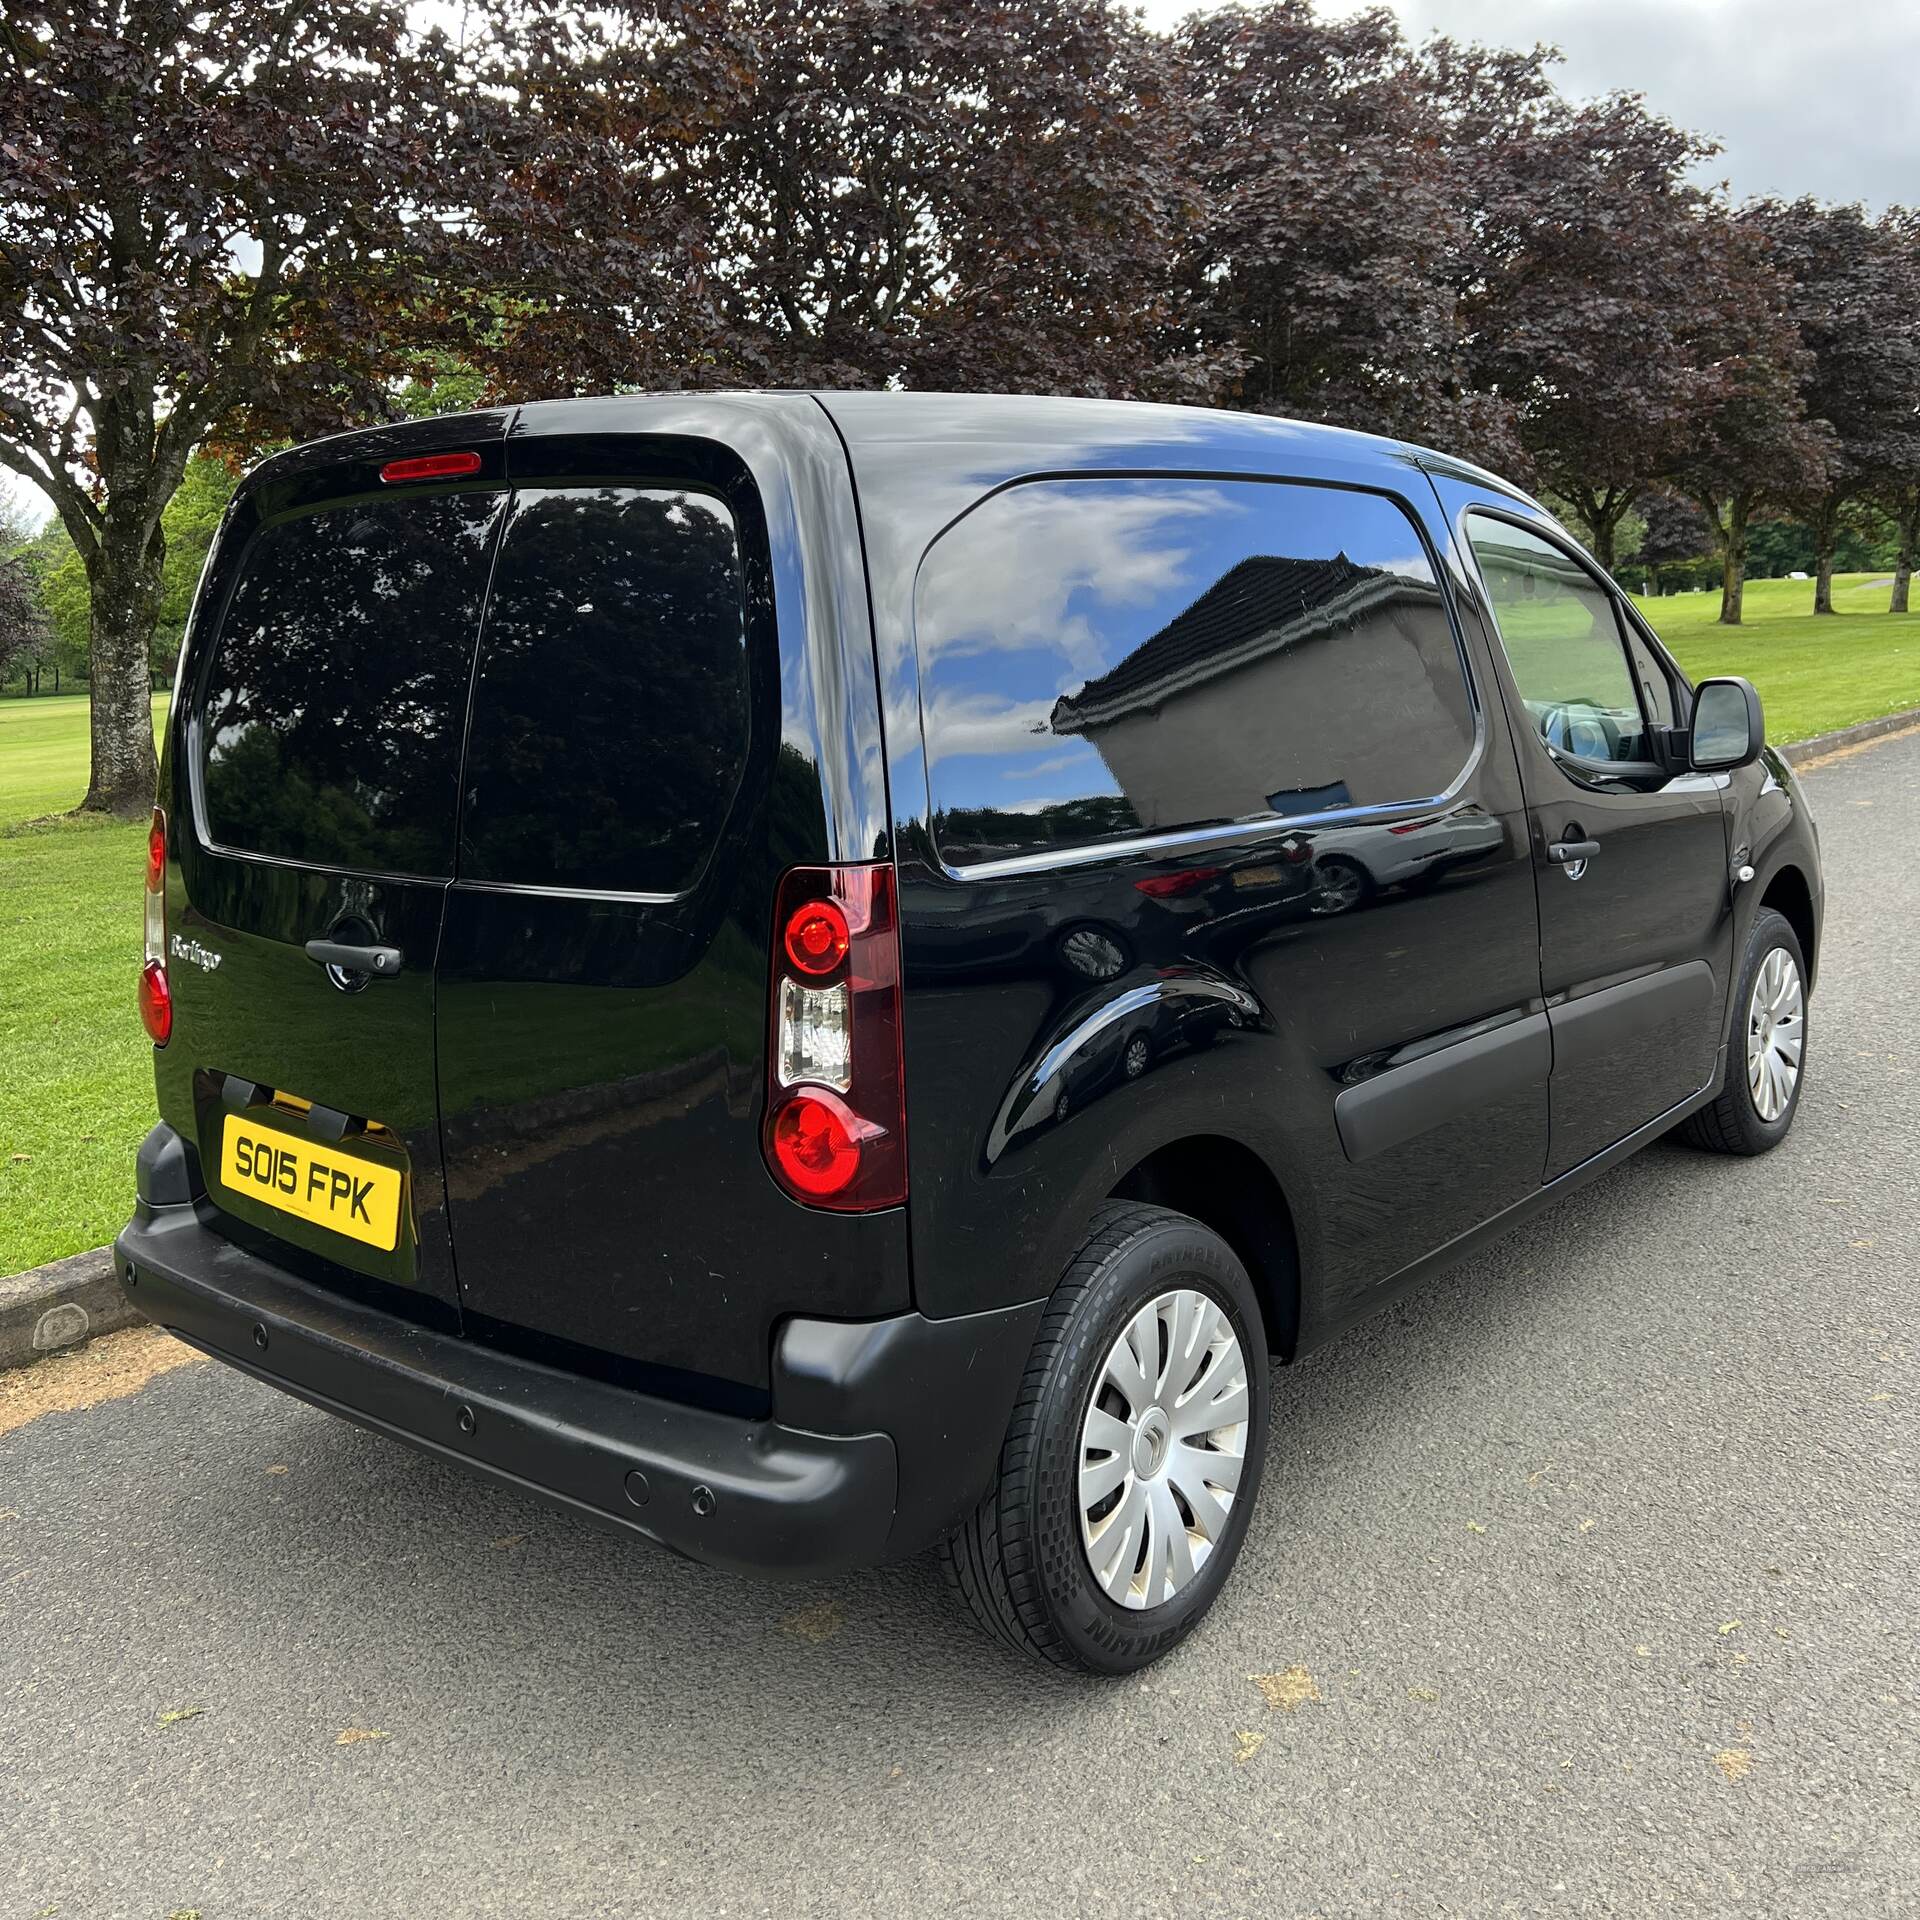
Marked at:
<point>76,1077</point>
<point>1814,675</point>
<point>76,1073</point>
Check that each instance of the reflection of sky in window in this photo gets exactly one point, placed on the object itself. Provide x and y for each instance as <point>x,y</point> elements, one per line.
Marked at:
<point>1052,584</point>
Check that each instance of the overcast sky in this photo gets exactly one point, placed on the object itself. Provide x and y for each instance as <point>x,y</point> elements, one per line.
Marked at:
<point>1803,98</point>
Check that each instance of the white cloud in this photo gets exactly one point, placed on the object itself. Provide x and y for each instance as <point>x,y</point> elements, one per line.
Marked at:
<point>1046,551</point>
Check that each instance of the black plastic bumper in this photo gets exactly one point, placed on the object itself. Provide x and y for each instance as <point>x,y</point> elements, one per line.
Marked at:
<point>883,1433</point>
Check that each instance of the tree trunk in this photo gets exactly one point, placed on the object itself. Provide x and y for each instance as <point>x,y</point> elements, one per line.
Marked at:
<point>1599,514</point>
<point>1826,536</point>
<point>1733,560</point>
<point>1909,518</point>
<point>124,584</point>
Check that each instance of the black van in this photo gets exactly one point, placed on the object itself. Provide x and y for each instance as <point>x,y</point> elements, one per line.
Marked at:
<point>823,976</point>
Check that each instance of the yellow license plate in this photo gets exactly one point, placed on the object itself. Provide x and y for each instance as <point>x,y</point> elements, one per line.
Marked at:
<point>1258,876</point>
<point>334,1190</point>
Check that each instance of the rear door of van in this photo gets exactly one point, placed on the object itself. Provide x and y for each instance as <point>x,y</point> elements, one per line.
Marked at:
<point>650,741</point>
<point>311,799</point>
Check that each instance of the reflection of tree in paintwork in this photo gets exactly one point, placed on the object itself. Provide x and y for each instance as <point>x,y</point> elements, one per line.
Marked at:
<point>983,833</point>
<point>332,716</point>
<point>610,717</point>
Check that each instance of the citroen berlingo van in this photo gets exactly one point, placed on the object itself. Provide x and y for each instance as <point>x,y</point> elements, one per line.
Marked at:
<point>819,977</point>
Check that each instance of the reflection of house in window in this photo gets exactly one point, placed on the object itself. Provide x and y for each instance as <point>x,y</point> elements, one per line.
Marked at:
<point>1289,686</point>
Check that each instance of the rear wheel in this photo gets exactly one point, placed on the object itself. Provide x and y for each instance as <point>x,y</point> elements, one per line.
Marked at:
<point>1134,1454</point>
<point>1766,1057</point>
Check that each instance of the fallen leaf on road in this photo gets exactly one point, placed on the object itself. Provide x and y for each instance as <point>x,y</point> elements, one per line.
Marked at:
<point>814,1624</point>
<point>1588,1524</point>
<point>1246,1745</point>
<point>1474,1526</point>
<point>1729,1626</point>
<point>174,1715</point>
<point>276,1469</point>
<point>354,1735</point>
<point>1733,1762</point>
<point>507,1542</point>
<point>1425,1694</point>
<point>1286,1690</point>
<point>1645,1653</point>
<point>1874,1399</point>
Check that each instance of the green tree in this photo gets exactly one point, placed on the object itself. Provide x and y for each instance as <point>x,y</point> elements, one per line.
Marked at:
<point>1853,289</point>
<point>218,213</point>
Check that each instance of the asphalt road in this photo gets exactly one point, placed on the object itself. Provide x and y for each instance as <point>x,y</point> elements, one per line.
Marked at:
<point>1583,1582</point>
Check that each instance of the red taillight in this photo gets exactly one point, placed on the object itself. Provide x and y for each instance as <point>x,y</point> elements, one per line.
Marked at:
<point>156,1003</point>
<point>156,997</point>
<point>816,938</point>
<point>430,466</point>
<point>1164,886</point>
<point>836,1133</point>
<point>816,1144</point>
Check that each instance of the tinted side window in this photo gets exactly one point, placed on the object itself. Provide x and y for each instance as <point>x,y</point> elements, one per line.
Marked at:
<point>330,727</point>
<point>1563,642</point>
<point>1104,657</point>
<point>610,705</point>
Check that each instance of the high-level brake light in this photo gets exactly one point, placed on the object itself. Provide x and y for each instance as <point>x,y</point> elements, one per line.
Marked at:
<point>836,1132</point>
<point>430,466</point>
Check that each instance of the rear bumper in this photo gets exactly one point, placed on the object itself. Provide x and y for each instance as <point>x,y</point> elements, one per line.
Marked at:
<point>883,1433</point>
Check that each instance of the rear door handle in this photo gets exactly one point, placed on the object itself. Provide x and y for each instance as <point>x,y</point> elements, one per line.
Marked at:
<point>1560,852</point>
<point>350,959</point>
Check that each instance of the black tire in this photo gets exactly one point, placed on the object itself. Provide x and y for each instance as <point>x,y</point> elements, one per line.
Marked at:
<point>1356,878</point>
<point>1732,1123</point>
<point>1019,1563</point>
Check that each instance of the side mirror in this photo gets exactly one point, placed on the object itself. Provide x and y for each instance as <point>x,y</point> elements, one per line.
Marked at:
<point>1728,730</point>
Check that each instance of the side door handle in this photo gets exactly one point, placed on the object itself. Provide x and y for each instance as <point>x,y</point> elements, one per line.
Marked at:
<point>1560,852</point>
<point>380,961</point>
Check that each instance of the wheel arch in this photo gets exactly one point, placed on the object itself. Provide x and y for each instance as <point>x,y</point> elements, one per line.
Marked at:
<point>1789,895</point>
<point>1226,1186</point>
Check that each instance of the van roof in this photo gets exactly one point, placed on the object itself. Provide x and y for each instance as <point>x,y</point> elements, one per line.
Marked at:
<point>1067,426</point>
<point>960,431</point>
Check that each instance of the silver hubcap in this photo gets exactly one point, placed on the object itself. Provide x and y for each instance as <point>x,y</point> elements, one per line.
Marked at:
<point>1162,1448</point>
<point>1776,1033</point>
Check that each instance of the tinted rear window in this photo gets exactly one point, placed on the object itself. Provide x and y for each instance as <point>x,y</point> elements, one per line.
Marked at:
<point>331,723</point>
<point>610,706</point>
<point>1108,657</point>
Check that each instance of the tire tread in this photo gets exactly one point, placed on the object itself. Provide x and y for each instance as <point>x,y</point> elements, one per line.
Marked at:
<point>1727,1123</point>
<point>988,1561</point>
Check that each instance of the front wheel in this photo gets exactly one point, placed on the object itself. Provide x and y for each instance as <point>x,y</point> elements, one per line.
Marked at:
<point>1134,1454</point>
<point>1767,1055</point>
